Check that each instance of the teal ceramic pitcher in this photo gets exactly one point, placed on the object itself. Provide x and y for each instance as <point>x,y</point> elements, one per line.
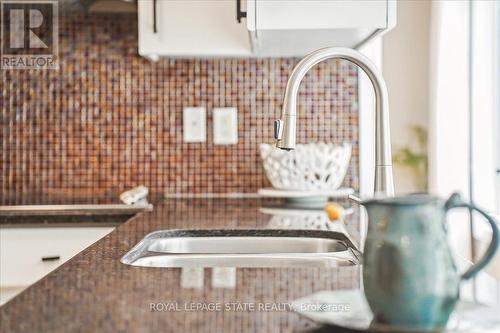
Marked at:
<point>410,279</point>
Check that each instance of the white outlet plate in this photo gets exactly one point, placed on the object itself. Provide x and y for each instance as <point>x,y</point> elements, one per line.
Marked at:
<point>225,126</point>
<point>194,124</point>
<point>224,277</point>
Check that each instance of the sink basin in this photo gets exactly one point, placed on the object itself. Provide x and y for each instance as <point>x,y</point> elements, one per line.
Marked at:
<point>243,248</point>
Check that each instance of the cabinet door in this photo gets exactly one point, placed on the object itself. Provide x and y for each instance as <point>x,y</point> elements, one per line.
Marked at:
<point>317,14</point>
<point>191,28</point>
<point>298,27</point>
<point>28,254</point>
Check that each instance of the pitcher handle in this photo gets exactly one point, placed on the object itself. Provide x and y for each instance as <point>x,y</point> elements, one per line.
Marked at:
<point>455,201</point>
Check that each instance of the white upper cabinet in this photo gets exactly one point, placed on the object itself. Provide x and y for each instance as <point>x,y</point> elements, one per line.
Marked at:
<point>191,28</point>
<point>297,27</point>
<point>207,28</point>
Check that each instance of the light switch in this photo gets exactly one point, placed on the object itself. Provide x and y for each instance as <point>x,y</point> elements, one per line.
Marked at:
<point>225,126</point>
<point>192,277</point>
<point>194,124</point>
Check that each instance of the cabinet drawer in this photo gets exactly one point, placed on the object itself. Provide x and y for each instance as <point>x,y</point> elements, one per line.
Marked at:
<point>28,254</point>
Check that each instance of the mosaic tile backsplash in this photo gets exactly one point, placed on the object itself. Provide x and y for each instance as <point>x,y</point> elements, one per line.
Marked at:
<point>109,120</point>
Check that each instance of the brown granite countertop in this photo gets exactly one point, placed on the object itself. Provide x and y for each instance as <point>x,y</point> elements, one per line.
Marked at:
<point>94,292</point>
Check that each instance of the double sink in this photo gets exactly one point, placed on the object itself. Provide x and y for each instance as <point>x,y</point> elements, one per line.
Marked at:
<point>243,248</point>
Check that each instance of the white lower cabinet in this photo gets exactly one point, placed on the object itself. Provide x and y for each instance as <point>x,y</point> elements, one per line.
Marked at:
<point>28,254</point>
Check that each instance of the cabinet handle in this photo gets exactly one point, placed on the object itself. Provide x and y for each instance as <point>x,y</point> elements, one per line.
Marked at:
<point>51,258</point>
<point>239,14</point>
<point>155,28</point>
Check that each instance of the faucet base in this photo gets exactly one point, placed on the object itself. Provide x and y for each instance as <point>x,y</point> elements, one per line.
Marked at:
<point>384,184</point>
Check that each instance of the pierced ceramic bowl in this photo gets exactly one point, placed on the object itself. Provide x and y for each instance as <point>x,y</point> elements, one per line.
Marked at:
<point>312,166</point>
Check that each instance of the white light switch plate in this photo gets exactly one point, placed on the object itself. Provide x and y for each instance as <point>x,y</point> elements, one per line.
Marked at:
<point>225,126</point>
<point>194,124</point>
<point>192,277</point>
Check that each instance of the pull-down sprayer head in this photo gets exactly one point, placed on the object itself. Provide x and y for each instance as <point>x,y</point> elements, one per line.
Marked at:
<point>284,133</point>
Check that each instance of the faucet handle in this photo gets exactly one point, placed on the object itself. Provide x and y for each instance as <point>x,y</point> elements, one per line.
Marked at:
<point>278,129</point>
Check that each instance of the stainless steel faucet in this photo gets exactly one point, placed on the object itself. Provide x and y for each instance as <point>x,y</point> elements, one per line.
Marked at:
<point>284,128</point>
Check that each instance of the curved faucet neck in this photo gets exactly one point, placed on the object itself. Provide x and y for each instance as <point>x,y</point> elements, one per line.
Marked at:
<point>286,127</point>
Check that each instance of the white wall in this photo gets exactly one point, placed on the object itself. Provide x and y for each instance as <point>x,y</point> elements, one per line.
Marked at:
<point>406,71</point>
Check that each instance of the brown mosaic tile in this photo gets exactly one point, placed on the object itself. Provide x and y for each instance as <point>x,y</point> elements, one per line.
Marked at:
<point>108,120</point>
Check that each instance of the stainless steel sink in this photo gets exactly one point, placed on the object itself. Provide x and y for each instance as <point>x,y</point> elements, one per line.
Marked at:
<point>243,248</point>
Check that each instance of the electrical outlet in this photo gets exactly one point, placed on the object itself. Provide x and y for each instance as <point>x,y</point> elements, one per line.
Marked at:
<point>225,126</point>
<point>194,124</point>
<point>224,277</point>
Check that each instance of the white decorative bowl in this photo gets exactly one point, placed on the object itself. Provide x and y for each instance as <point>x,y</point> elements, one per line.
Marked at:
<point>312,166</point>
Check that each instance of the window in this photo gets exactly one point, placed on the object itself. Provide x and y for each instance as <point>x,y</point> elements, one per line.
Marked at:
<point>497,106</point>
